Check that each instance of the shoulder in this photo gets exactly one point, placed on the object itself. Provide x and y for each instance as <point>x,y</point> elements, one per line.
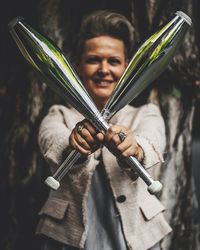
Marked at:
<point>149,107</point>
<point>63,110</point>
<point>129,113</point>
<point>70,116</point>
<point>60,109</point>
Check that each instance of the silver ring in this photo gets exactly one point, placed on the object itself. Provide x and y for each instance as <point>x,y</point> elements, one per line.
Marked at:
<point>122,136</point>
<point>79,127</point>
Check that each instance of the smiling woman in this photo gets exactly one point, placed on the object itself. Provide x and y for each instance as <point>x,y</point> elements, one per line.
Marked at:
<point>101,65</point>
<point>101,204</point>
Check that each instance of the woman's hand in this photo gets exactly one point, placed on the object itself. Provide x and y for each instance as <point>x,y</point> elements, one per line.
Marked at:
<point>85,138</point>
<point>121,141</point>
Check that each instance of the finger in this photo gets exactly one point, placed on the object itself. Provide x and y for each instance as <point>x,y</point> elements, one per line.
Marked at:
<point>93,140</point>
<point>129,146</point>
<point>100,137</point>
<point>89,132</point>
<point>122,135</point>
<point>140,154</point>
<point>122,147</point>
<point>93,131</point>
<point>78,128</point>
<point>85,125</point>
<point>82,130</point>
<point>111,132</point>
<point>137,152</point>
<point>90,139</point>
<point>128,142</point>
<point>75,145</point>
<point>81,149</point>
<point>81,141</point>
<point>91,144</point>
<point>116,140</point>
<point>128,152</point>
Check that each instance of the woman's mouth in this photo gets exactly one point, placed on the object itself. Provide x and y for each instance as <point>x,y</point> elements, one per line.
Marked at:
<point>103,82</point>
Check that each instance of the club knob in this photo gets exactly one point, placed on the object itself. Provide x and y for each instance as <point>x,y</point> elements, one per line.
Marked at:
<point>155,187</point>
<point>52,183</point>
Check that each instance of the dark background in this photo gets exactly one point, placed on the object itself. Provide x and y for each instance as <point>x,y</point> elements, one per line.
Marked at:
<point>24,99</point>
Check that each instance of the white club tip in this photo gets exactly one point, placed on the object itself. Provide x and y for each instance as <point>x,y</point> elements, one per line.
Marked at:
<point>184,16</point>
<point>52,183</point>
<point>155,187</point>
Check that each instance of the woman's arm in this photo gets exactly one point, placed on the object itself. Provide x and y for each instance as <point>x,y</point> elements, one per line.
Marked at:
<point>53,137</point>
<point>150,134</point>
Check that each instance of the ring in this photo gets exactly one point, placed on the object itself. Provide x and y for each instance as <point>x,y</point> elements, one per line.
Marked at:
<point>79,128</point>
<point>122,136</point>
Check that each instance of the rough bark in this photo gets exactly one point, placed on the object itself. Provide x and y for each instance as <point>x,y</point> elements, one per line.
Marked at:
<point>25,99</point>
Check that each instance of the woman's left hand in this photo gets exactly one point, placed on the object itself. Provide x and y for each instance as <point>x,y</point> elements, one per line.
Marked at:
<point>123,139</point>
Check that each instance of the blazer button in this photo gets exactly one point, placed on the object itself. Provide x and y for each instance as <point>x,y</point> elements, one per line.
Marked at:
<point>121,198</point>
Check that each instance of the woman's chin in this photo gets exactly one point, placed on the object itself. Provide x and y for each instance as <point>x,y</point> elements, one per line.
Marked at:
<point>100,101</point>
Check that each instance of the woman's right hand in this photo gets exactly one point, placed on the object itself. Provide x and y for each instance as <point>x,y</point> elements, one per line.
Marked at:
<point>85,138</point>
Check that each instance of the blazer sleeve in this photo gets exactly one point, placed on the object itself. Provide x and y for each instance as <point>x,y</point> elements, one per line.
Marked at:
<point>150,134</point>
<point>53,136</point>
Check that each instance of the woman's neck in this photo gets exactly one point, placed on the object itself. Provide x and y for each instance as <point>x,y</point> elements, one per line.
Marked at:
<point>100,104</point>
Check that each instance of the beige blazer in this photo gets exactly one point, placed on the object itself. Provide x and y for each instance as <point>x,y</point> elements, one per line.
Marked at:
<point>64,215</point>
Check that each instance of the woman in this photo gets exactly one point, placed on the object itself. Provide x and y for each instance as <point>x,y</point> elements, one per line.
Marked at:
<point>101,203</point>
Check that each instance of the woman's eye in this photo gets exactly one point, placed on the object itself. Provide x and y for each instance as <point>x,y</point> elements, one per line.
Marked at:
<point>114,61</point>
<point>92,60</point>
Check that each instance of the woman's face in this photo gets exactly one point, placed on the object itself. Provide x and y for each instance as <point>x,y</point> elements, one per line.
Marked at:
<point>101,65</point>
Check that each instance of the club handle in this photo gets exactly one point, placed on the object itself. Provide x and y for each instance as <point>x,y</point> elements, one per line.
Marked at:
<point>54,181</point>
<point>154,187</point>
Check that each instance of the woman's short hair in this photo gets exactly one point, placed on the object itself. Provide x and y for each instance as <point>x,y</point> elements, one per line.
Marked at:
<point>105,22</point>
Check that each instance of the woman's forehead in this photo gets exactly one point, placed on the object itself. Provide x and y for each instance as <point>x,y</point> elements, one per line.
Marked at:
<point>104,44</point>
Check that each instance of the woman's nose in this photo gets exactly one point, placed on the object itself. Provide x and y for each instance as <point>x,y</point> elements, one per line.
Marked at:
<point>104,68</point>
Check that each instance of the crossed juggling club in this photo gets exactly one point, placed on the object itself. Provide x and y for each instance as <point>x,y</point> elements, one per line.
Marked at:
<point>152,57</point>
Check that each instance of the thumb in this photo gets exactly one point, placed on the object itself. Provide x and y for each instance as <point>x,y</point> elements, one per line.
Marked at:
<point>100,137</point>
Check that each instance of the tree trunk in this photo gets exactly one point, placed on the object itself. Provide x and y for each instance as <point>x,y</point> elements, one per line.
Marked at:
<point>25,99</point>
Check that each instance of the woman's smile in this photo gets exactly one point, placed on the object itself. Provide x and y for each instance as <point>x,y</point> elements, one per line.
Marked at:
<point>102,83</point>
